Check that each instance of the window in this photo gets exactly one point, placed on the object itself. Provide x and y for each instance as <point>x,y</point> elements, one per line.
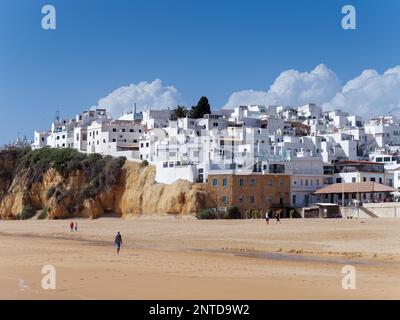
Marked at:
<point>134,140</point>
<point>252,182</point>
<point>241,199</point>
<point>294,199</point>
<point>224,199</point>
<point>364,179</point>
<point>353,179</point>
<point>251,199</point>
<point>165,164</point>
<point>241,182</point>
<point>372,179</point>
<point>224,182</point>
<point>215,182</point>
<point>270,183</point>
<point>131,130</point>
<point>114,140</point>
<point>147,144</point>
<point>123,130</point>
<point>114,129</point>
<point>306,182</point>
<point>380,180</point>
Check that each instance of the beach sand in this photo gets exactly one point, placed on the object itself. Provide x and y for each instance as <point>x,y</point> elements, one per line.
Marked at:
<point>184,258</point>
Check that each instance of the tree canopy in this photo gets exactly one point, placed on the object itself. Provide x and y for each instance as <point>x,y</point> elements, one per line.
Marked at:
<point>179,112</point>
<point>202,108</point>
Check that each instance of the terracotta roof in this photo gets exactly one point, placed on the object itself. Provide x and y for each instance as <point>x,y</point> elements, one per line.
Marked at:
<point>355,187</point>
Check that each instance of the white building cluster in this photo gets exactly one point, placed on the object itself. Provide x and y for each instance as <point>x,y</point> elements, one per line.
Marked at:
<point>315,148</point>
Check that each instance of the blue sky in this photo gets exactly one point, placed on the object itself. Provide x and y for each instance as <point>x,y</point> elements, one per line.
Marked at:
<point>200,47</point>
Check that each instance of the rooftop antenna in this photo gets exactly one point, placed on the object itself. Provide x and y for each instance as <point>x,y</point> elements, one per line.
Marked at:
<point>134,111</point>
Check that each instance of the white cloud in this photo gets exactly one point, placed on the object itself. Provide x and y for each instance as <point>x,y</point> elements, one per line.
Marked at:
<point>292,87</point>
<point>370,94</point>
<point>152,94</point>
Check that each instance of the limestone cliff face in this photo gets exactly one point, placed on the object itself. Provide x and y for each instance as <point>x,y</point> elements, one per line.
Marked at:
<point>135,193</point>
<point>138,193</point>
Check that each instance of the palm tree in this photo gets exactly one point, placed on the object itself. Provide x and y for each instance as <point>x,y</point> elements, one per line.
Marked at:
<point>178,112</point>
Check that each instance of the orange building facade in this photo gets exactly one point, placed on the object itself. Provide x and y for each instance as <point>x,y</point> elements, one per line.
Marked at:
<point>251,191</point>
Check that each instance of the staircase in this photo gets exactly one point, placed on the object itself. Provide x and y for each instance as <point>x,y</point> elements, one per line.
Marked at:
<point>368,212</point>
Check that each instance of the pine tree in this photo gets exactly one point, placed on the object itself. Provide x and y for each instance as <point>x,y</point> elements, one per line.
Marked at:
<point>202,108</point>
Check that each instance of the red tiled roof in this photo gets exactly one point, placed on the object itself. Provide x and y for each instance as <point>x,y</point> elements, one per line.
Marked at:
<point>362,187</point>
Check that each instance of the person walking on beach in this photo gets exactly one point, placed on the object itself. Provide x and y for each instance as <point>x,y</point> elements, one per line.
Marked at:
<point>267,216</point>
<point>71,225</point>
<point>118,242</point>
<point>76,226</point>
<point>278,216</point>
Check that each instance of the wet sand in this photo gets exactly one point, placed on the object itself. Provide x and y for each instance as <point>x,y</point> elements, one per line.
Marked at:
<point>183,258</point>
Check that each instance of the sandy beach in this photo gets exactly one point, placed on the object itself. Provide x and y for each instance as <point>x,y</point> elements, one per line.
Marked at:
<point>184,258</point>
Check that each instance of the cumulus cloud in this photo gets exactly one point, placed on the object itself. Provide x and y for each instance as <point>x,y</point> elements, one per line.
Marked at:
<point>292,87</point>
<point>145,94</point>
<point>370,94</point>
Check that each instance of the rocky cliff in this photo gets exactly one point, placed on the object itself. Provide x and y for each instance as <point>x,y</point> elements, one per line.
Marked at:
<point>63,183</point>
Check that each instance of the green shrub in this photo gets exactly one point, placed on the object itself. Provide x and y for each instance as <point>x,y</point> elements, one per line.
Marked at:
<point>292,213</point>
<point>229,213</point>
<point>43,214</point>
<point>144,163</point>
<point>207,214</point>
<point>27,212</point>
<point>37,162</point>
<point>233,213</point>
